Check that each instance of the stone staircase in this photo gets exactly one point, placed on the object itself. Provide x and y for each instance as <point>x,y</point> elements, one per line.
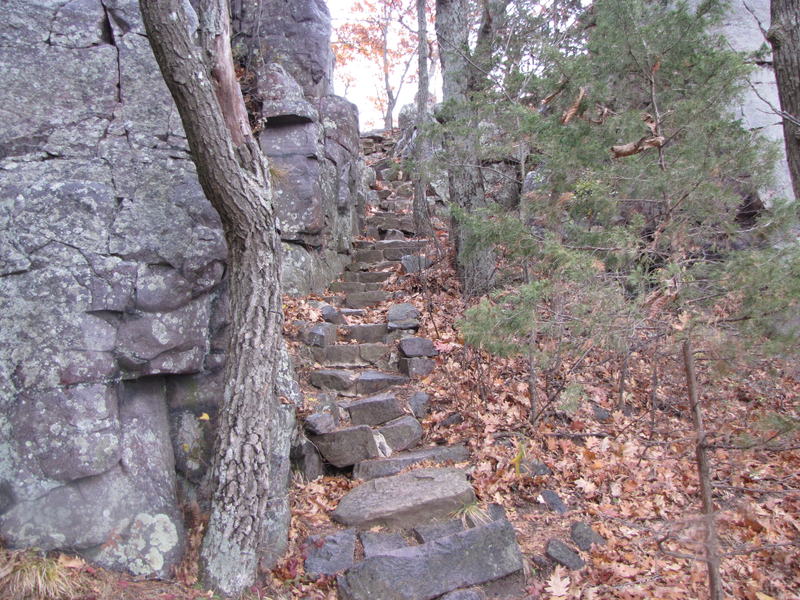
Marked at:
<point>368,417</point>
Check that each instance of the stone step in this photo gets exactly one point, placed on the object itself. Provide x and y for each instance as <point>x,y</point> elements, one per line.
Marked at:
<point>342,356</point>
<point>405,500</point>
<point>367,276</point>
<point>427,571</point>
<point>370,333</point>
<point>385,467</point>
<point>354,286</point>
<point>349,383</point>
<point>385,221</point>
<point>366,299</point>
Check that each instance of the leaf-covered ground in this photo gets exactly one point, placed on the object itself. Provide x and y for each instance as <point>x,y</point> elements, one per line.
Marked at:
<point>632,476</point>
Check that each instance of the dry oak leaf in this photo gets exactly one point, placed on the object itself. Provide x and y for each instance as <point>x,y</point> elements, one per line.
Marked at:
<point>558,583</point>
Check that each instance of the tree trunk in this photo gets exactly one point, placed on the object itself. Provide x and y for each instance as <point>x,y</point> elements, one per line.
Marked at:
<point>422,217</point>
<point>784,36</point>
<point>465,180</point>
<point>234,177</point>
<point>715,590</point>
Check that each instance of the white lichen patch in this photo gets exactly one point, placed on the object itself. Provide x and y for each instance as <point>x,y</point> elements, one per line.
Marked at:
<point>143,551</point>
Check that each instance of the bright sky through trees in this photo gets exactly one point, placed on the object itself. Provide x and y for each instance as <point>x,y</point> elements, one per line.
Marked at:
<point>360,81</point>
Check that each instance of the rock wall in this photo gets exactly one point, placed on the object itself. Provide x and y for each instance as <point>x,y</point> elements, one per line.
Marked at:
<point>742,28</point>
<point>113,310</point>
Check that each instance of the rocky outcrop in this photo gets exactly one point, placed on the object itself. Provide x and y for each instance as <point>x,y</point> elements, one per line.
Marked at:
<point>743,29</point>
<point>113,307</point>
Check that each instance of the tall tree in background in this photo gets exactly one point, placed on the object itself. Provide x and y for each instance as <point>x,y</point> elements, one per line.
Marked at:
<point>382,34</point>
<point>422,218</point>
<point>234,176</point>
<point>784,37</point>
<point>465,76</point>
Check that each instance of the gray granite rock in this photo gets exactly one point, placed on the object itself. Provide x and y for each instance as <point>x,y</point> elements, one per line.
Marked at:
<point>419,403</point>
<point>553,502</point>
<point>416,573</point>
<point>416,367</point>
<point>473,594</point>
<point>584,536</point>
<point>376,543</point>
<point>329,554</point>
<point>405,500</point>
<point>401,312</point>
<point>320,334</point>
<point>373,382</point>
<point>133,503</point>
<point>306,459</point>
<point>348,446</point>
<point>415,264</point>
<point>370,333</point>
<point>402,433</point>
<point>559,552</point>
<point>375,410</point>
<point>333,379</point>
<point>429,532</point>
<point>413,347</point>
<point>332,315</point>
<point>385,467</point>
<point>319,423</point>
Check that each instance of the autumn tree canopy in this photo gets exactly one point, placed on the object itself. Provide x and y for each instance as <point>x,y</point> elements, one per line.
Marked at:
<point>379,41</point>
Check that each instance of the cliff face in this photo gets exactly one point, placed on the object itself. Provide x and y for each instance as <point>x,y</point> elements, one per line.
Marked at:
<point>112,269</point>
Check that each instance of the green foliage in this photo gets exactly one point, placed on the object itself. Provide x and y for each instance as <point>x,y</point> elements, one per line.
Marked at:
<point>642,172</point>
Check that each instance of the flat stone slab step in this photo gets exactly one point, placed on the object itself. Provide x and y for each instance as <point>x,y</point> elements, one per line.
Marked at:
<point>367,276</point>
<point>405,500</point>
<point>346,382</point>
<point>427,571</point>
<point>370,333</point>
<point>385,467</point>
<point>366,299</point>
<point>375,410</point>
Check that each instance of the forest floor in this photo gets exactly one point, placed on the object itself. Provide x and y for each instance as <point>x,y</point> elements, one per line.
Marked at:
<point>632,476</point>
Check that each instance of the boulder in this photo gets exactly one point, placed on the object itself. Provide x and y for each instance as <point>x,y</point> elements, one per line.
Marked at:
<point>405,500</point>
<point>415,367</point>
<point>402,312</point>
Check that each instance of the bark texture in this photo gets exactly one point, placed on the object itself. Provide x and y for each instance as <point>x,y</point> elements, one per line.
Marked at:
<point>422,217</point>
<point>234,177</point>
<point>784,36</point>
<point>465,180</point>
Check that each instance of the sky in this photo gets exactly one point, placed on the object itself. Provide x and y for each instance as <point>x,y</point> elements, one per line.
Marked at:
<point>369,117</point>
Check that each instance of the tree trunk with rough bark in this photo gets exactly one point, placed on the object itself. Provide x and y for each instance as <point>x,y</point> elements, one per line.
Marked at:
<point>784,36</point>
<point>234,176</point>
<point>422,217</point>
<point>465,180</point>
